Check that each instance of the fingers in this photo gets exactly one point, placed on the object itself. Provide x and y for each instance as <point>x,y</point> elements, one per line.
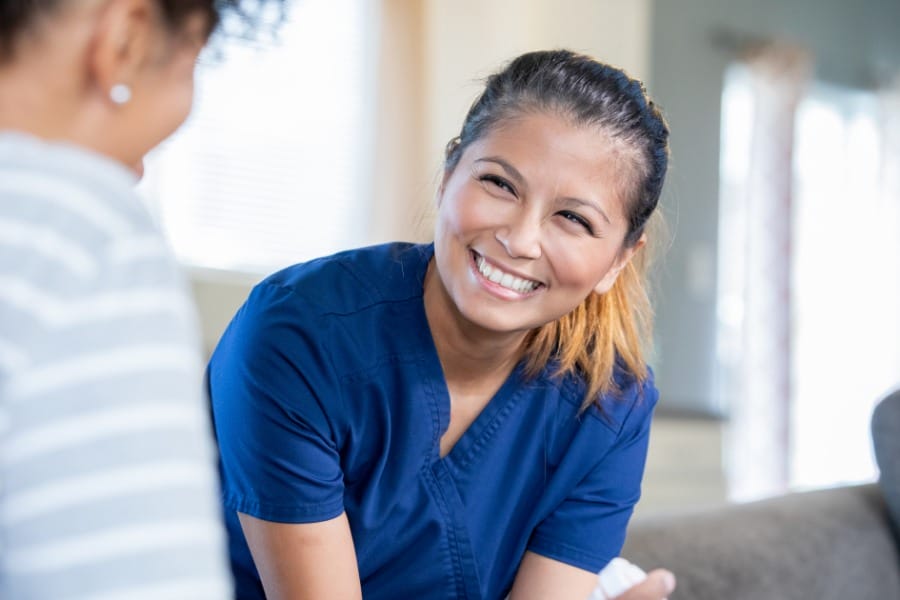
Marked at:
<point>657,586</point>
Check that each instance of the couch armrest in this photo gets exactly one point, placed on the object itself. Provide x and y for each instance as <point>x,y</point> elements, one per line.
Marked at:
<point>833,544</point>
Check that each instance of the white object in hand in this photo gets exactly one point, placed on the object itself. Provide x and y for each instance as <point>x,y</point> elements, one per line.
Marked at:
<point>617,577</point>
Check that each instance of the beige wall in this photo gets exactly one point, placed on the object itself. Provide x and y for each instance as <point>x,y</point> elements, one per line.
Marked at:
<point>466,40</point>
<point>218,296</point>
<point>400,177</point>
<point>684,466</point>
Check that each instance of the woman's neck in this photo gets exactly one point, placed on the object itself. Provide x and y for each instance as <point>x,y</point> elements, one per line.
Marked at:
<point>470,355</point>
<point>43,97</point>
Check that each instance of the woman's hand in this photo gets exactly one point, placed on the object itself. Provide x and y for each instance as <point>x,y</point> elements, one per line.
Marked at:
<point>657,586</point>
<point>304,561</point>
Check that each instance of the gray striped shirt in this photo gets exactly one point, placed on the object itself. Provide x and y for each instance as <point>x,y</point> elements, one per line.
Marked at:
<point>107,470</point>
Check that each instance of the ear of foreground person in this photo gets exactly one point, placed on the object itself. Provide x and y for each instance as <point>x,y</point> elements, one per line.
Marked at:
<point>829,544</point>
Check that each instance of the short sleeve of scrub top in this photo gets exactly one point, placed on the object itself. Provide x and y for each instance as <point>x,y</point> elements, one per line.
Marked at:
<point>601,504</point>
<point>328,397</point>
<point>281,441</point>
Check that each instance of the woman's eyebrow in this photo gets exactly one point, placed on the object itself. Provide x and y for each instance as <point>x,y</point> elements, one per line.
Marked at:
<point>587,203</point>
<point>510,170</point>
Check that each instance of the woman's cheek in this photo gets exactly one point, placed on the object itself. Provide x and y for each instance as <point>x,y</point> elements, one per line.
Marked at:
<point>575,261</point>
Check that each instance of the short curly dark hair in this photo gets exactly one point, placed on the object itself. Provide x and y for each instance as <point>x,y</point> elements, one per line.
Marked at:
<point>16,16</point>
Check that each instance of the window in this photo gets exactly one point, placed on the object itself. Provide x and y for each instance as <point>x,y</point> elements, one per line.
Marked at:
<point>844,261</point>
<point>273,165</point>
<point>846,264</point>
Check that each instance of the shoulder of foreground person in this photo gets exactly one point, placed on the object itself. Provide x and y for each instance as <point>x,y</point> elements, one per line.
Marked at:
<point>102,411</point>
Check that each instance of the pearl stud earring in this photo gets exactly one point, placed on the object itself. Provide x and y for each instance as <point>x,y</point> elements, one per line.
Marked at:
<point>120,94</point>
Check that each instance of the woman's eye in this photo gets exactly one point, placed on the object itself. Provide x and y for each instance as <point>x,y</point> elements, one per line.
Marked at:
<point>577,219</point>
<point>499,182</point>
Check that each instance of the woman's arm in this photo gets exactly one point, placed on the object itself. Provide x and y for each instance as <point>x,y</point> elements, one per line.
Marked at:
<point>541,578</point>
<point>304,561</point>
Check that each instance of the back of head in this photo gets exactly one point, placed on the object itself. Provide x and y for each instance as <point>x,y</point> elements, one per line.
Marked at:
<point>115,77</point>
<point>17,17</point>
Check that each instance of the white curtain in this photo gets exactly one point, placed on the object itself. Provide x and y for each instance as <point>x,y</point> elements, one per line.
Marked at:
<point>756,213</point>
<point>846,260</point>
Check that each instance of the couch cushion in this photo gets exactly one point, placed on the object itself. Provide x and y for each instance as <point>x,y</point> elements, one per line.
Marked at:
<point>832,544</point>
<point>886,441</point>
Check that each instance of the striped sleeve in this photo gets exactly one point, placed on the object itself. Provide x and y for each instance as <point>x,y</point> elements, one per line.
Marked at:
<point>108,486</point>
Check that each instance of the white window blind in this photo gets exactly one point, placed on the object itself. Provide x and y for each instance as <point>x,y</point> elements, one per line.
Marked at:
<point>272,166</point>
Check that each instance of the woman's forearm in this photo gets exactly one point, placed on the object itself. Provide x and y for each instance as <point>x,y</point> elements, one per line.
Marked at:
<point>305,561</point>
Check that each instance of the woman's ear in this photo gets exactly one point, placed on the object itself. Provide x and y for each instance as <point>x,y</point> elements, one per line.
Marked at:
<point>609,279</point>
<point>123,43</point>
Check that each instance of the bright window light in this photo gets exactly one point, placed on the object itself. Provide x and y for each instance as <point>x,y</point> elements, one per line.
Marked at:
<point>845,275</point>
<point>846,286</point>
<point>272,167</point>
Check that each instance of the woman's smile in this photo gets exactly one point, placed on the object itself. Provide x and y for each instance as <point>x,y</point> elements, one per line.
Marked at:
<point>501,281</point>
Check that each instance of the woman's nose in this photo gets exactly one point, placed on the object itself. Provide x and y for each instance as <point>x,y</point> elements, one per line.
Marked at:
<point>522,237</point>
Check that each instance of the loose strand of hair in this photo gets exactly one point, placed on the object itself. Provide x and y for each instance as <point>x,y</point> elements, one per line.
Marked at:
<point>602,330</point>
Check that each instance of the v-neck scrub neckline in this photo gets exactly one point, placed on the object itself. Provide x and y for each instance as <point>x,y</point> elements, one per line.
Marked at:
<point>488,420</point>
<point>328,396</point>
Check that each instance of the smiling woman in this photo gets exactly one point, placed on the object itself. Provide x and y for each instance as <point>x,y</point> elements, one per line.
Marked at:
<point>468,418</point>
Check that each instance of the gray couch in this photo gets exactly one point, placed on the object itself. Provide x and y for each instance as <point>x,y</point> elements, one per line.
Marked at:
<point>833,544</point>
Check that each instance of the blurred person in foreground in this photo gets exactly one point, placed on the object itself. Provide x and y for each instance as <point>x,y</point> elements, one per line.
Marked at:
<point>107,472</point>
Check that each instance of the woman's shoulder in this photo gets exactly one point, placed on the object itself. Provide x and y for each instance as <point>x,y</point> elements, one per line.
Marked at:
<point>630,400</point>
<point>351,304</point>
<point>353,279</point>
<point>341,313</point>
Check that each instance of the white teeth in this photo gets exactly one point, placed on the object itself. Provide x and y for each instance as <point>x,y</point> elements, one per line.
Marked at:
<point>517,284</point>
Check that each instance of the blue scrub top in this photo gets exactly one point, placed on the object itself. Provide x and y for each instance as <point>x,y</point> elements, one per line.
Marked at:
<point>328,396</point>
